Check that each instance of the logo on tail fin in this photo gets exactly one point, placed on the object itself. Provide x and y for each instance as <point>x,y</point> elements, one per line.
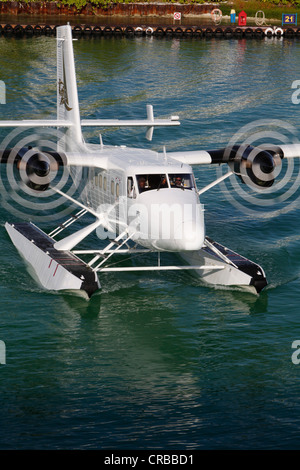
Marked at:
<point>63,93</point>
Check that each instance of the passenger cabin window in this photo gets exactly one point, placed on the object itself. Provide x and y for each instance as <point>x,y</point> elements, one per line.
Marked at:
<point>150,182</point>
<point>183,181</point>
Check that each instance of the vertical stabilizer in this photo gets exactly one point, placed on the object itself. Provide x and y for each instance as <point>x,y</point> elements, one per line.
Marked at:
<point>67,95</point>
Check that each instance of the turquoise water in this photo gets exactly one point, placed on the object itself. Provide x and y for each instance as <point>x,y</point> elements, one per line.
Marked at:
<point>159,361</point>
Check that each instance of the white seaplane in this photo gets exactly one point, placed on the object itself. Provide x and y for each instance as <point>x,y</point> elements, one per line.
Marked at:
<point>147,200</point>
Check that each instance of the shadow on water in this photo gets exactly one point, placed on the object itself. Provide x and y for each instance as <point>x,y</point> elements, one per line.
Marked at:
<point>165,293</point>
<point>86,308</point>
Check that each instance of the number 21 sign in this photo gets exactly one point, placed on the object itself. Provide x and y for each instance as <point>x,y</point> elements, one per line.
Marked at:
<point>289,18</point>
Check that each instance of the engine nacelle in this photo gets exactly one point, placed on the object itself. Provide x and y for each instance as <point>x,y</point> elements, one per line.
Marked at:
<point>34,168</point>
<point>37,169</point>
<point>253,165</point>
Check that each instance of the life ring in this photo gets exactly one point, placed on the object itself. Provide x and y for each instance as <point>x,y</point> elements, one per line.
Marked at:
<point>216,15</point>
<point>269,32</point>
<point>279,32</point>
<point>149,30</point>
<point>138,30</point>
<point>259,19</point>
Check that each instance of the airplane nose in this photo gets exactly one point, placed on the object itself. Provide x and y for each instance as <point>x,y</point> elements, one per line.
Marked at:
<point>186,235</point>
<point>189,236</point>
<point>170,220</point>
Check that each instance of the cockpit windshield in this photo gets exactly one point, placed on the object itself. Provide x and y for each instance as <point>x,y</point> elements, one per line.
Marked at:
<point>148,182</point>
<point>183,181</point>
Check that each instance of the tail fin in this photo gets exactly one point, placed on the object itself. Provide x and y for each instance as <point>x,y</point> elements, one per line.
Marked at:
<point>67,95</point>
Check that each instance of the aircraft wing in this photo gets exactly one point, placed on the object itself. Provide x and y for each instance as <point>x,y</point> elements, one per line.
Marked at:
<point>226,155</point>
<point>290,151</point>
<point>254,165</point>
<point>196,157</point>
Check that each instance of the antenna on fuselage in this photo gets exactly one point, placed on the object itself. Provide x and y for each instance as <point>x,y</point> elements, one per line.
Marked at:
<point>101,141</point>
<point>150,117</point>
<point>165,153</point>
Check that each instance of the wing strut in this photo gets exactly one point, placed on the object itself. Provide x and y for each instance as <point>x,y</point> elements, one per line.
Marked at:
<point>214,183</point>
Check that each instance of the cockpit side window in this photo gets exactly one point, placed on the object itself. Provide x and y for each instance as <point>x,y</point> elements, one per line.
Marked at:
<point>149,182</point>
<point>130,188</point>
<point>180,180</point>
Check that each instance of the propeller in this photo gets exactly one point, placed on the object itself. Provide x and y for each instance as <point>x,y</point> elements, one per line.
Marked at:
<point>36,168</point>
<point>255,166</point>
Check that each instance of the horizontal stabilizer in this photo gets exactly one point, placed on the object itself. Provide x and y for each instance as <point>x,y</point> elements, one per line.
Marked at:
<point>129,122</point>
<point>150,122</point>
<point>36,123</point>
<point>92,122</point>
